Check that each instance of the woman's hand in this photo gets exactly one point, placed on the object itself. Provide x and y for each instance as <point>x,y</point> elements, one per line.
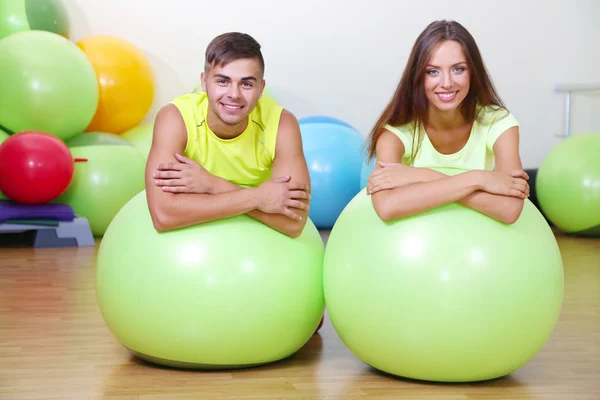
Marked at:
<point>392,175</point>
<point>513,183</point>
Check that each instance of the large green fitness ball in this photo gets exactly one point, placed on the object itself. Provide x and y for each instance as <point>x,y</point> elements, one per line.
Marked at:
<point>223,294</point>
<point>97,139</point>
<point>47,84</point>
<point>140,136</point>
<point>103,184</point>
<point>568,184</point>
<point>447,295</point>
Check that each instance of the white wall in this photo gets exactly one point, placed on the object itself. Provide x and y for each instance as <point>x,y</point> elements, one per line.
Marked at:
<point>332,57</point>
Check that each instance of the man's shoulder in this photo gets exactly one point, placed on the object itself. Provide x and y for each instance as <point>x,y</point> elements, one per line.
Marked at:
<point>267,113</point>
<point>288,119</point>
<point>189,101</point>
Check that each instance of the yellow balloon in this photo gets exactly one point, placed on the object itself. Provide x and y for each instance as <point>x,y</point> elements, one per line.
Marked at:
<point>126,83</point>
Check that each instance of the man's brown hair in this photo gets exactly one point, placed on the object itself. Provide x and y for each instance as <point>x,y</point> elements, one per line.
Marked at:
<point>232,46</point>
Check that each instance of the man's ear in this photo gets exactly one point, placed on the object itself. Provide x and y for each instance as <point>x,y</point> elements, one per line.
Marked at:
<point>262,89</point>
<point>203,81</point>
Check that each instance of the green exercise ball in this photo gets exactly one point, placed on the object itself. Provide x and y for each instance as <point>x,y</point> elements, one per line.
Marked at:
<point>229,293</point>
<point>103,184</point>
<point>447,295</point>
<point>13,17</point>
<point>140,137</point>
<point>47,83</point>
<point>48,15</point>
<point>568,185</point>
<point>97,139</point>
<point>3,135</point>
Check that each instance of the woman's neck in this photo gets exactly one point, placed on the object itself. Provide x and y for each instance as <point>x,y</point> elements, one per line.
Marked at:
<point>444,120</point>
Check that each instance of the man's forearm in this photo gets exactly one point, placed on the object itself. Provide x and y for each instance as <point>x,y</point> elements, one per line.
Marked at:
<point>279,222</point>
<point>182,209</point>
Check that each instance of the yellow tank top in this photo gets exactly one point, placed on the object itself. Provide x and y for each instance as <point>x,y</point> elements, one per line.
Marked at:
<point>244,160</point>
<point>478,153</point>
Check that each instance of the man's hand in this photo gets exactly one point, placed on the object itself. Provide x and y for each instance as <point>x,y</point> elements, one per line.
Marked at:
<point>281,195</point>
<point>390,176</point>
<point>186,176</point>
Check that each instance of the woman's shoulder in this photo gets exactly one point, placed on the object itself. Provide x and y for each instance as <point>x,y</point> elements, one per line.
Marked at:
<point>493,122</point>
<point>493,114</point>
<point>401,130</point>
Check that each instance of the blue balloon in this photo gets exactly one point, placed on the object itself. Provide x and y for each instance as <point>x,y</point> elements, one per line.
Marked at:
<point>367,168</point>
<point>334,156</point>
<point>324,119</point>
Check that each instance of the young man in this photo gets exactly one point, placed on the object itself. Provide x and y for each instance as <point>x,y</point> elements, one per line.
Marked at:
<point>228,151</point>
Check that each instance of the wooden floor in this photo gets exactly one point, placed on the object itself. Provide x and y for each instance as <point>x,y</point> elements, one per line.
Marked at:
<point>54,345</point>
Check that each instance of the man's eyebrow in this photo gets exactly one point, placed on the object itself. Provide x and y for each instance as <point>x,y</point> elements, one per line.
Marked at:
<point>246,78</point>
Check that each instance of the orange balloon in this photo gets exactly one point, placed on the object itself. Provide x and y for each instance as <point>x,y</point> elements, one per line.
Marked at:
<point>126,83</point>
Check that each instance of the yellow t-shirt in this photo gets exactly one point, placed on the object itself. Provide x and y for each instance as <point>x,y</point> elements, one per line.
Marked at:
<point>244,160</point>
<point>478,153</point>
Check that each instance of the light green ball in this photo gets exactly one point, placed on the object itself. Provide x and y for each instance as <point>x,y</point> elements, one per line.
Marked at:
<point>13,18</point>
<point>223,294</point>
<point>47,84</point>
<point>3,136</point>
<point>140,136</point>
<point>97,139</point>
<point>103,184</point>
<point>446,295</point>
<point>568,184</point>
<point>48,15</point>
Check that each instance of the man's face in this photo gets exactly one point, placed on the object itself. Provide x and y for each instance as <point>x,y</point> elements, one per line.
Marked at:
<point>233,89</point>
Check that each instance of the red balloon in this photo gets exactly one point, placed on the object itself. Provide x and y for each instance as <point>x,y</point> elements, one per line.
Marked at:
<point>35,167</point>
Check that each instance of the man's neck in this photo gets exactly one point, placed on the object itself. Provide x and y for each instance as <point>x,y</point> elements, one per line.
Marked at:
<point>222,130</point>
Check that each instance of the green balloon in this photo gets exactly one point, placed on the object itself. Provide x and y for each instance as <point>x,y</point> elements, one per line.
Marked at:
<point>3,136</point>
<point>141,137</point>
<point>48,84</point>
<point>48,15</point>
<point>96,139</point>
<point>447,295</point>
<point>224,294</point>
<point>103,184</point>
<point>568,183</point>
<point>13,17</point>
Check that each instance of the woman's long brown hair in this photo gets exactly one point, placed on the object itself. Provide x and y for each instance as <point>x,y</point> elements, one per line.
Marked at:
<point>409,104</point>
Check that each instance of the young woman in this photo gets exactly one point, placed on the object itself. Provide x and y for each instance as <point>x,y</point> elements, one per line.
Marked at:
<point>446,113</point>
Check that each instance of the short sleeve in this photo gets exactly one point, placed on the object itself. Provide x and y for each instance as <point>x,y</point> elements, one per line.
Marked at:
<point>501,122</point>
<point>404,135</point>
